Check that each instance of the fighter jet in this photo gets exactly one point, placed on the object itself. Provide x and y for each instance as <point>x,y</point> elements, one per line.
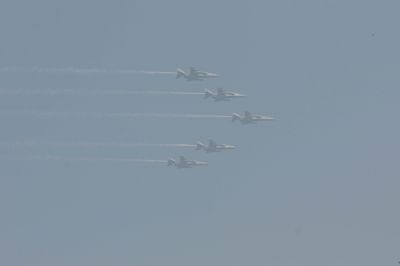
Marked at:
<point>222,95</point>
<point>213,146</point>
<point>195,74</point>
<point>249,118</point>
<point>185,163</point>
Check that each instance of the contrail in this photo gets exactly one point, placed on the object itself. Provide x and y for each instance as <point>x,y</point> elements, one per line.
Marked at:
<point>91,144</point>
<point>72,70</point>
<point>24,92</point>
<point>83,159</point>
<point>44,114</point>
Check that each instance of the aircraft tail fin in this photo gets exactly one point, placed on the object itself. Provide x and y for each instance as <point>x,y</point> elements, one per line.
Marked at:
<point>208,94</point>
<point>199,146</point>
<point>171,162</point>
<point>180,73</point>
<point>235,117</point>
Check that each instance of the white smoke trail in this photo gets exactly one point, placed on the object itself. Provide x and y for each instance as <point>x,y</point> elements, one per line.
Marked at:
<point>178,145</point>
<point>133,115</point>
<point>71,70</point>
<point>43,114</point>
<point>83,159</point>
<point>23,92</point>
<point>91,144</point>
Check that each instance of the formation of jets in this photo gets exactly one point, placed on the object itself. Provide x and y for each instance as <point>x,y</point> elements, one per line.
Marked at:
<point>222,95</point>
<point>213,146</point>
<point>217,95</point>
<point>195,75</point>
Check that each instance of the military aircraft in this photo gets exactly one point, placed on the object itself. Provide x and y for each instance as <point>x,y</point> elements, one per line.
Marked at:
<point>195,74</point>
<point>249,118</point>
<point>222,95</point>
<point>185,163</point>
<point>213,146</point>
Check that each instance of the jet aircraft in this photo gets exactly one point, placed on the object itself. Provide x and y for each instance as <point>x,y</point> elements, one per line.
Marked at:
<point>185,163</point>
<point>195,74</point>
<point>213,146</point>
<point>249,118</point>
<point>222,95</point>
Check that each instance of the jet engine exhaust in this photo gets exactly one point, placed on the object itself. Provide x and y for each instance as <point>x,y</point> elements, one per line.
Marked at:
<point>71,70</point>
<point>44,114</point>
<point>28,92</point>
<point>92,144</point>
<point>84,159</point>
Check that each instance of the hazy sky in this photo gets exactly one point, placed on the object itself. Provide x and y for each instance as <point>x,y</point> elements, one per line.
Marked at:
<point>319,186</point>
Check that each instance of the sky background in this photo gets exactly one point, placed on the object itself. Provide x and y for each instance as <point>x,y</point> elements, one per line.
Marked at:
<point>319,186</point>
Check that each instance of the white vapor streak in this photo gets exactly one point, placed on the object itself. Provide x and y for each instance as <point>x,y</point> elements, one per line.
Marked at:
<point>90,92</point>
<point>44,114</point>
<point>72,70</point>
<point>92,144</point>
<point>85,159</point>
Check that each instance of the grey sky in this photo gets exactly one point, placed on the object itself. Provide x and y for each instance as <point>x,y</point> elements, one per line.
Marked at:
<point>319,186</point>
